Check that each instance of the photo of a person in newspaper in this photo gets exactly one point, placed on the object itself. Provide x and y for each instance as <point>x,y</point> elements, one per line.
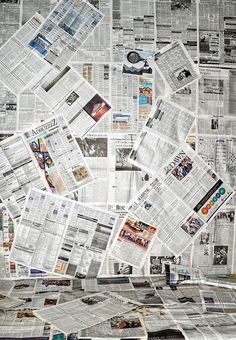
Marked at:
<point>183,168</point>
<point>220,255</point>
<point>137,232</point>
<point>192,225</point>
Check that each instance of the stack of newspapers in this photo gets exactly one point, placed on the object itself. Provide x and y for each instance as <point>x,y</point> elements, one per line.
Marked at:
<point>117,169</point>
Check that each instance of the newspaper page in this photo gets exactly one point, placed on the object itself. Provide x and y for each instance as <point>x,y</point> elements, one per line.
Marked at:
<point>18,64</point>
<point>64,31</point>
<point>8,302</point>
<point>97,48</point>
<point>132,26</point>
<point>61,236</point>
<point>29,7</point>
<point>216,35</point>
<point>176,66</point>
<point>213,250</point>
<point>160,324</point>
<point>99,76</point>
<point>10,19</point>
<point>166,128</point>
<point>216,92</point>
<point>176,222</point>
<point>94,148</point>
<point>129,325</point>
<point>58,156</point>
<point>177,20</point>
<point>15,325</point>
<point>31,111</point>
<point>219,301</point>
<point>131,99</point>
<point>18,172</point>
<point>8,110</point>
<point>189,177</point>
<point>85,312</point>
<point>133,238</point>
<point>67,92</point>
<point>179,199</point>
<point>125,179</point>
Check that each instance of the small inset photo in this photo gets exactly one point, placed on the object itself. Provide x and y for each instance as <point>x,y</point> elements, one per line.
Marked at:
<point>183,168</point>
<point>97,107</point>
<point>192,225</point>
<point>220,255</point>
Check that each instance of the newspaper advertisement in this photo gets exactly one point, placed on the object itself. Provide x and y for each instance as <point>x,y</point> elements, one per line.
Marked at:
<point>176,66</point>
<point>61,236</point>
<point>166,128</point>
<point>133,241</point>
<point>18,172</point>
<point>67,92</point>
<point>58,156</point>
<point>64,31</point>
<point>85,312</point>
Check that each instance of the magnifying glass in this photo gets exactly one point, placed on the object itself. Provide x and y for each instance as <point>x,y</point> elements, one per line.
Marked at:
<point>133,57</point>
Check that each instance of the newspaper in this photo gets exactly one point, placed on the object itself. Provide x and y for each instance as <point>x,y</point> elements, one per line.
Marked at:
<point>67,92</point>
<point>129,325</point>
<point>213,250</point>
<point>176,66</point>
<point>8,110</point>
<point>88,311</point>
<point>31,111</point>
<point>166,128</point>
<point>125,179</point>
<point>58,156</point>
<point>8,302</point>
<point>94,148</point>
<point>133,241</point>
<point>19,66</point>
<point>179,199</point>
<point>61,236</point>
<point>218,301</point>
<point>22,325</point>
<point>10,19</point>
<point>132,26</point>
<point>182,24</point>
<point>64,31</point>
<point>131,99</point>
<point>18,173</point>
<point>97,48</point>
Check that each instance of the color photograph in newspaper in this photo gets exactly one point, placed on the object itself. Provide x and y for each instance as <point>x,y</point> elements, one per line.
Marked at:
<point>133,241</point>
<point>58,156</point>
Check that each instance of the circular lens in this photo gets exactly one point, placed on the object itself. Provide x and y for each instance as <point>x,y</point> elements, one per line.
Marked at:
<point>133,57</point>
